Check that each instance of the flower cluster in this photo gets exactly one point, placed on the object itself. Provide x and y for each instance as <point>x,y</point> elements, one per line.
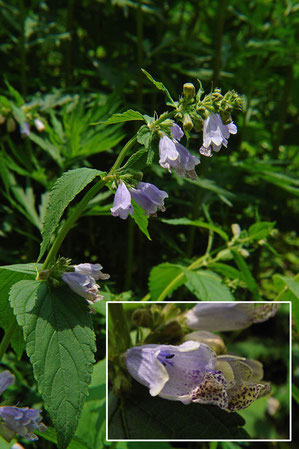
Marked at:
<point>83,280</point>
<point>197,371</point>
<point>146,195</point>
<point>215,134</point>
<point>174,155</point>
<point>18,420</point>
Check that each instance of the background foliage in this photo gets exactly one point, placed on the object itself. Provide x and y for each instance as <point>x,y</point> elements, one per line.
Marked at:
<point>75,63</point>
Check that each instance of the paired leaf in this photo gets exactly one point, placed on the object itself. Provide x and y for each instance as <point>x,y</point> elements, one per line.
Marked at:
<point>136,162</point>
<point>60,343</point>
<point>141,416</point>
<point>64,191</point>
<point>126,116</point>
<point>207,286</point>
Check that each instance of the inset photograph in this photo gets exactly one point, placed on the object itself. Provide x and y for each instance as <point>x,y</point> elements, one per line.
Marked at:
<point>198,371</point>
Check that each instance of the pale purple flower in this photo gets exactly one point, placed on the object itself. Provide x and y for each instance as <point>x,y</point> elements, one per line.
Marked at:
<point>17,420</point>
<point>122,206</point>
<point>215,134</point>
<point>85,284</point>
<point>6,379</point>
<point>91,269</point>
<point>228,316</point>
<point>175,156</point>
<point>22,421</point>
<point>40,126</point>
<point>191,372</point>
<point>25,129</point>
<point>149,197</point>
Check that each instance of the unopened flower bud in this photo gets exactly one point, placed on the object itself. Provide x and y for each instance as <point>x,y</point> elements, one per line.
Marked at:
<point>236,230</point>
<point>244,253</point>
<point>2,119</point>
<point>187,123</point>
<point>11,125</point>
<point>208,338</point>
<point>142,317</point>
<point>40,126</point>
<point>189,90</point>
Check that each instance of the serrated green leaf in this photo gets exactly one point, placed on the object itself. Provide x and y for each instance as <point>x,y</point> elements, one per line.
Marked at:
<point>159,86</point>
<point>164,279</point>
<point>63,192</point>
<point>141,416</point>
<point>140,219</point>
<point>9,275</point>
<point>207,286</point>
<point>126,116</point>
<point>246,275</point>
<point>60,343</point>
<point>144,136</point>
<point>201,224</point>
<point>260,230</point>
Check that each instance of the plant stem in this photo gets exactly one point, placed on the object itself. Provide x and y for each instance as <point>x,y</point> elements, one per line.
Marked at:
<point>120,328</point>
<point>70,222</point>
<point>7,337</point>
<point>79,209</point>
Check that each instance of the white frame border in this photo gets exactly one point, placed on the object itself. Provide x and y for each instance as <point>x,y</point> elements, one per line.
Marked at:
<point>209,302</point>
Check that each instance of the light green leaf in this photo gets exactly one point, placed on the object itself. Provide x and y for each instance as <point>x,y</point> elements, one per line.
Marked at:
<point>47,146</point>
<point>260,230</point>
<point>288,291</point>
<point>295,393</point>
<point>60,343</point>
<point>159,86</point>
<point>164,279</point>
<point>201,224</point>
<point>140,219</point>
<point>64,191</point>
<point>207,286</point>
<point>126,116</point>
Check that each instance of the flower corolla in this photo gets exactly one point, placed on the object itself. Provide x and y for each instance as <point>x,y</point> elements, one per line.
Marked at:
<point>83,281</point>
<point>192,373</point>
<point>174,155</point>
<point>228,316</point>
<point>146,195</point>
<point>18,420</point>
<point>215,134</point>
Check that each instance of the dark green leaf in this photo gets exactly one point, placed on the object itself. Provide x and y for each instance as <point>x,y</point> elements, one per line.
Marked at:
<point>136,162</point>
<point>144,417</point>
<point>64,191</point>
<point>60,342</point>
<point>50,435</point>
